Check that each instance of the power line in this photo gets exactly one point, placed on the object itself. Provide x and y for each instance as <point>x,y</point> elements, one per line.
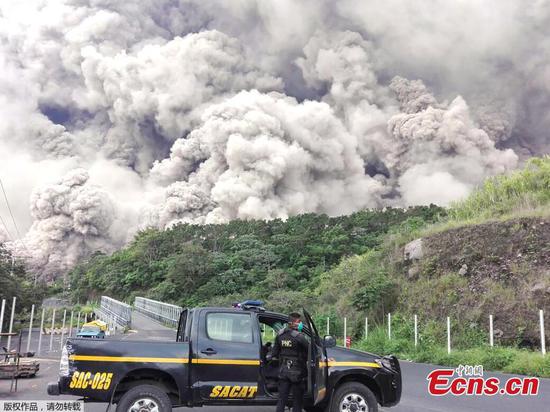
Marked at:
<point>5,228</point>
<point>9,210</point>
<point>16,228</point>
<point>12,219</point>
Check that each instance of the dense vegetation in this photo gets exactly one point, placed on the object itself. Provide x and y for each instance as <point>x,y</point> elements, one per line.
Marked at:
<point>16,282</point>
<point>279,261</point>
<point>354,266</point>
<point>504,358</point>
<point>500,236</point>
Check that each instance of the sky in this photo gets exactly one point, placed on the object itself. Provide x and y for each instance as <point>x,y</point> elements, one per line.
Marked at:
<point>118,116</point>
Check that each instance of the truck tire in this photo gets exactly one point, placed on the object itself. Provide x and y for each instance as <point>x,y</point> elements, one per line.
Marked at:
<point>353,397</point>
<point>144,398</point>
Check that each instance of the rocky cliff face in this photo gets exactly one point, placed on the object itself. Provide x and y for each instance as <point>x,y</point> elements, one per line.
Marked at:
<point>498,268</point>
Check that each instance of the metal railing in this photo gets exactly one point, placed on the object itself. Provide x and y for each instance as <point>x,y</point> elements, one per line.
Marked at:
<point>114,311</point>
<point>160,311</point>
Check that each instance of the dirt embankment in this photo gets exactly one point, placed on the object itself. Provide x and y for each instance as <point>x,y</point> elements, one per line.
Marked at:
<point>498,268</point>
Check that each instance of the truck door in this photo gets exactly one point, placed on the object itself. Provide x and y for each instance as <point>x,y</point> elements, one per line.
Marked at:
<point>318,371</point>
<point>226,360</point>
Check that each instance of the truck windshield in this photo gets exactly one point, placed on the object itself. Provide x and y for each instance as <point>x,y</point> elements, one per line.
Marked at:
<point>90,329</point>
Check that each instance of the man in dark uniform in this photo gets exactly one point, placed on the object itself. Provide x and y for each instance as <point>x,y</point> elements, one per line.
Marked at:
<point>291,348</point>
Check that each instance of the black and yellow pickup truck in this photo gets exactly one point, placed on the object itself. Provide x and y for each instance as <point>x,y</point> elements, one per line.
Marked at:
<point>220,358</point>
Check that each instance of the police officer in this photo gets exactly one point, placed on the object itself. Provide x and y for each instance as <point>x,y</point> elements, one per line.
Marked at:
<point>291,348</point>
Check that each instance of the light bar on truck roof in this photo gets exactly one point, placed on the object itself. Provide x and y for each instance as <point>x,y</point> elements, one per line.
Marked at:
<point>250,305</point>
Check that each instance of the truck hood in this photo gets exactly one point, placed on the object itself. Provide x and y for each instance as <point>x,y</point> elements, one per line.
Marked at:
<point>341,354</point>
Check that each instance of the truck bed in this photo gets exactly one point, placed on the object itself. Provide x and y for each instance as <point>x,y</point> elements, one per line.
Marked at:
<point>96,367</point>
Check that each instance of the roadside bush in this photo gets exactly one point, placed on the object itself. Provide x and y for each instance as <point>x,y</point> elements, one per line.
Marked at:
<point>529,363</point>
<point>432,350</point>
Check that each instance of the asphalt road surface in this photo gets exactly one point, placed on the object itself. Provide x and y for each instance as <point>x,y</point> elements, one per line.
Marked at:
<point>415,396</point>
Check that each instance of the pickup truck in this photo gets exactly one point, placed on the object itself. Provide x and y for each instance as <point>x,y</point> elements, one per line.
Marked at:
<point>91,332</point>
<point>220,358</point>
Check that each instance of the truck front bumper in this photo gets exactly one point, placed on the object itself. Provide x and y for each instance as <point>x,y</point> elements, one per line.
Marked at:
<point>393,382</point>
<point>53,389</point>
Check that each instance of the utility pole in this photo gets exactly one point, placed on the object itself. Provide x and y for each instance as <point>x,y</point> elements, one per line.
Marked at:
<point>11,321</point>
<point>2,316</point>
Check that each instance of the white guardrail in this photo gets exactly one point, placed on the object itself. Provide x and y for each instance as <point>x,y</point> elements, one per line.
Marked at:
<point>160,311</point>
<point>114,311</point>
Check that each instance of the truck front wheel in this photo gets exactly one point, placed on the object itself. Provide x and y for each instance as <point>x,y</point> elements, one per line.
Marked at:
<point>144,398</point>
<point>353,397</point>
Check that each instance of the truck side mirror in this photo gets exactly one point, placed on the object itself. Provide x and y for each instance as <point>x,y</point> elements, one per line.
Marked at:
<point>329,341</point>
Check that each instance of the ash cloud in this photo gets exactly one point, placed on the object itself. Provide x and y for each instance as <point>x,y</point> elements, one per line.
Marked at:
<point>258,156</point>
<point>439,152</point>
<point>3,236</point>
<point>165,86</point>
<point>71,219</point>
<point>207,111</point>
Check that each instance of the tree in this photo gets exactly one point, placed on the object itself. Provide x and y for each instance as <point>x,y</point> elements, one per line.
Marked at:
<point>15,282</point>
<point>190,268</point>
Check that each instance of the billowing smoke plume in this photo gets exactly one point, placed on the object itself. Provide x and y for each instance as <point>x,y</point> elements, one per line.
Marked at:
<point>159,91</point>
<point>206,111</point>
<point>3,236</point>
<point>259,156</point>
<point>342,65</point>
<point>71,219</point>
<point>439,153</point>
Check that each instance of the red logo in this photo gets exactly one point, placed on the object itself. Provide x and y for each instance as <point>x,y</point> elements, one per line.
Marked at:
<point>469,380</point>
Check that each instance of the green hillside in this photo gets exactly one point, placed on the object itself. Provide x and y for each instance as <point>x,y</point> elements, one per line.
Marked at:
<point>344,266</point>
<point>488,254</point>
<point>484,256</point>
<point>279,261</point>
<point>522,192</point>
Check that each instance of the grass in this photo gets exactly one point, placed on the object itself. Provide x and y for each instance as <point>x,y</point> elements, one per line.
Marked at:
<point>526,189</point>
<point>524,193</point>
<point>503,359</point>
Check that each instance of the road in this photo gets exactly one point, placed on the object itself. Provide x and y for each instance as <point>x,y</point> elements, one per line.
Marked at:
<point>415,396</point>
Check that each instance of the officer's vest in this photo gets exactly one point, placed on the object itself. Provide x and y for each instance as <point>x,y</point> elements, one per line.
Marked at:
<point>290,347</point>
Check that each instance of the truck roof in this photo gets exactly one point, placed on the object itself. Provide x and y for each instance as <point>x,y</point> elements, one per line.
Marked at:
<point>240,310</point>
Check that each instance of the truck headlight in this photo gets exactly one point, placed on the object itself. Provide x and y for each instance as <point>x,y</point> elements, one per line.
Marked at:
<point>385,363</point>
<point>64,364</point>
